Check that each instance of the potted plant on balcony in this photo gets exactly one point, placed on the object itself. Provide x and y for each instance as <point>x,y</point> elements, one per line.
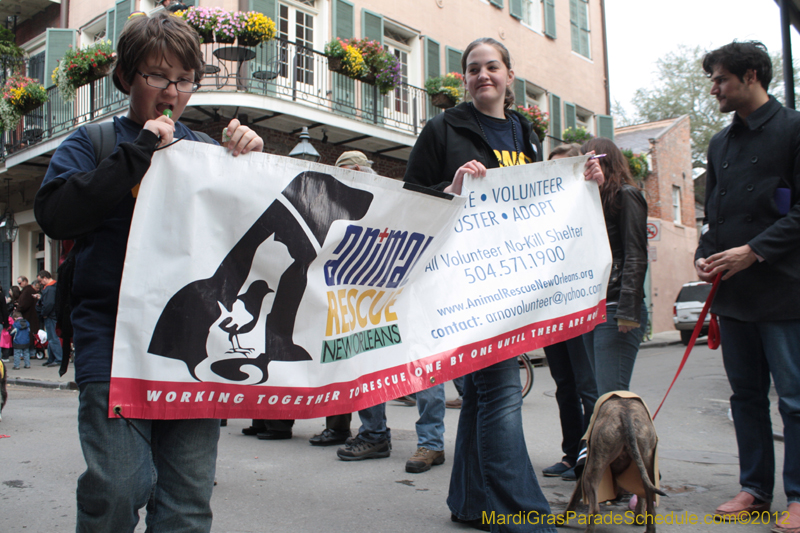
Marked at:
<point>382,68</point>
<point>202,19</point>
<point>258,28</point>
<point>537,118</point>
<point>21,95</point>
<point>445,91</point>
<point>577,135</point>
<point>81,66</point>
<point>345,58</point>
<point>228,27</point>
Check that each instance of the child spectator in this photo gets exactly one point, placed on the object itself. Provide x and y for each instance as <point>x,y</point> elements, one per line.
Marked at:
<point>6,345</point>
<point>166,464</point>
<point>21,332</point>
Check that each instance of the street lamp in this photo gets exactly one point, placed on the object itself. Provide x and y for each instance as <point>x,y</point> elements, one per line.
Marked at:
<point>8,226</point>
<point>304,149</point>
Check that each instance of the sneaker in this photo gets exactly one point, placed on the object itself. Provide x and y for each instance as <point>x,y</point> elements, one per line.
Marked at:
<point>330,437</point>
<point>423,459</point>
<point>569,475</point>
<point>15,368</point>
<point>453,404</point>
<point>27,366</point>
<point>360,449</point>
<point>556,470</point>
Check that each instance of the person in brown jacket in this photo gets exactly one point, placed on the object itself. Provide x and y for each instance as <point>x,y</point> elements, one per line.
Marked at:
<point>26,304</point>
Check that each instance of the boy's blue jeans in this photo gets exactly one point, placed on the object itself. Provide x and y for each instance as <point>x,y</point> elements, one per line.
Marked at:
<point>24,353</point>
<point>173,477</point>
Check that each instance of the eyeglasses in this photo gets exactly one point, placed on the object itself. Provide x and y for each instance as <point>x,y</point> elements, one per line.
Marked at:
<point>160,82</point>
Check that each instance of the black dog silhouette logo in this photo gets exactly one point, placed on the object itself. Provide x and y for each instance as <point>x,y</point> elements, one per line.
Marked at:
<point>212,324</point>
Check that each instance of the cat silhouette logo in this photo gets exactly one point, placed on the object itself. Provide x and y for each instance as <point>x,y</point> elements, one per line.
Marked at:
<point>205,322</point>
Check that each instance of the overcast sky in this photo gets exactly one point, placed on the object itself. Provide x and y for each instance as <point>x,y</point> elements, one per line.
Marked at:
<point>641,31</point>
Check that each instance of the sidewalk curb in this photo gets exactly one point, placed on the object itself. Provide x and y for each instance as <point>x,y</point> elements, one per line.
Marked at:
<point>658,344</point>
<point>69,385</point>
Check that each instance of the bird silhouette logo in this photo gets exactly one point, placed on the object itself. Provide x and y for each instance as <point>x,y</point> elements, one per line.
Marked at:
<point>232,303</point>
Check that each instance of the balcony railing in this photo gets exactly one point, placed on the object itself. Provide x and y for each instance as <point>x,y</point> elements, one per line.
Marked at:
<point>278,69</point>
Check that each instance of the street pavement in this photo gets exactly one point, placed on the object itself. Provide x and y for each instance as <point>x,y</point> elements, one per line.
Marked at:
<point>290,486</point>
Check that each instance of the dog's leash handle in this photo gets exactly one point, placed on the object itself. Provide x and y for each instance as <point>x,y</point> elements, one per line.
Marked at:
<point>696,333</point>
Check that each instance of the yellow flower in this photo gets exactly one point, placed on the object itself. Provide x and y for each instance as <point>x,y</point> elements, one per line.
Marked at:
<point>353,61</point>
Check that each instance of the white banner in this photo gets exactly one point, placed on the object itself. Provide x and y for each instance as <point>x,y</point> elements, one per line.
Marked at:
<point>266,287</point>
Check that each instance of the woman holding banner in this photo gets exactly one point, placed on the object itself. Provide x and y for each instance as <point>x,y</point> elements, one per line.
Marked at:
<point>613,346</point>
<point>491,469</point>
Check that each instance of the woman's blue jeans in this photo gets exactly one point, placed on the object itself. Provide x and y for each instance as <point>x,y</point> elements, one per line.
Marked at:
<point>492,472</point>
<point>612,353</point>
<point>173,475</point>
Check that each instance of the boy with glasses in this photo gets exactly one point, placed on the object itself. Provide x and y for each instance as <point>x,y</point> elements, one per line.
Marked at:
<point>167,465</point>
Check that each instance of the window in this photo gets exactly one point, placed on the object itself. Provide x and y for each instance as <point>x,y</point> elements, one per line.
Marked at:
<point>95,31</point>
<point>676,204</point>
<point>400,41</point>
<point>579,25</point>
<point>584,119</point>
<point>532,14</point>
<point>296,26</point>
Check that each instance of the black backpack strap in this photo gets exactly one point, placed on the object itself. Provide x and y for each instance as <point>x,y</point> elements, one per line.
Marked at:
<point>104,139</point>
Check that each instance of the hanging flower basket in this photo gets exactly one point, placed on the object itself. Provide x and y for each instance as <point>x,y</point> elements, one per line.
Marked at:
<point>256,28</point>
<point>206,36</point>
<point>445,91</point>
<point>335,64</point>
<point>442,101</point>
<point>21,95</point>
<point>81,66</point>
<point>369,78</point>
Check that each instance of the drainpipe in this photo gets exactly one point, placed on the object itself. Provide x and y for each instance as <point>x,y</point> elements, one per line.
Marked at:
<point>788,69</point>
<point>64,14</point>
<point>605,55</point>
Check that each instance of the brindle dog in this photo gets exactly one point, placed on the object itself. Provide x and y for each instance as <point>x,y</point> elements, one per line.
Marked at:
<point>622,434</point>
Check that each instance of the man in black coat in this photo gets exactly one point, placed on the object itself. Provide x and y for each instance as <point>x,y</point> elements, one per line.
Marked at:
<point>753,240</point>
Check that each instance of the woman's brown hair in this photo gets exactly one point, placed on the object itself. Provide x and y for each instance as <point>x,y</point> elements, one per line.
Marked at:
<point>145,37</point>
<point>508,102</point>
<point>615,169</point>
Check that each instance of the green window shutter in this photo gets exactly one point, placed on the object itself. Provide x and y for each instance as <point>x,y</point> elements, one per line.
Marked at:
<point>371,26</point>
<point>267,7</point>
<point>555,116</point>
<point>344,25</point>
<point>575,32</point>
<point>515,7</point>
<point>519,92</point>
<point>605,126</point>
<point>497,3</point>
<point>550,18</point>
<point>110,34</point>
<point>123,10</point>
<point>57,42</point>
<point>583,28</point>
<point>194,3</point>
<point>432,63</point>
<point>570,118</point>
<point>453,59</point>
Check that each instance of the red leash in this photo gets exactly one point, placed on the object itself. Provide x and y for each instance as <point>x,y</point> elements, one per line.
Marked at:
<point>713,336</point>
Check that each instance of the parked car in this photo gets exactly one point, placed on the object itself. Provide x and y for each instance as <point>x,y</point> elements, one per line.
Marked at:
<point>687,309</point>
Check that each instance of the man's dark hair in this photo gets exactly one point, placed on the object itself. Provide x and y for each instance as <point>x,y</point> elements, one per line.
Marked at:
<point>737,58</point>
<point>23,278</point>
<point>44,274</point>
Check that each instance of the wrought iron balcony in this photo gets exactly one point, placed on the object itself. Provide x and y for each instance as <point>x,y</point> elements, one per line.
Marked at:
<point>277,69</point>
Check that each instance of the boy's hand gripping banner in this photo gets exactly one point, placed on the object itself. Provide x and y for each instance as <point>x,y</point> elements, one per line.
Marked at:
<point>266,287</point>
